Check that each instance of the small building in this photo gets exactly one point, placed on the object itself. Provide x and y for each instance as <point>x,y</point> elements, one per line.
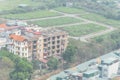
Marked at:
<point>76,76</point>
<point>109,67</point>
<point>11,23</point>
<point>91,75</point>
<point>69,4</point>
<point>16,23</point>
<point>3,42</point>
<point>21,23</point>
<point>22,5</point>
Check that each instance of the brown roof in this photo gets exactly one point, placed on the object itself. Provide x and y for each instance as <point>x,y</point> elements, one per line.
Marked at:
<point>7,27</point>
<point>3,26</point>
<point>17,37</point>
<point>43,60</point>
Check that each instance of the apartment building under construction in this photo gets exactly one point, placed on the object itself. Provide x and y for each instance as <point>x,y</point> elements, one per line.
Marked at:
<point>38,44</point>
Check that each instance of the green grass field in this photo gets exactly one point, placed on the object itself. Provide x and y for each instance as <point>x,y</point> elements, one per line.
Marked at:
<point>56,21</point>
<point>102,19</point>
<point>31,15</point>
<point>71,10</point>
<point>12,4</point>
<point>90,16</point>
<point>83,29</point>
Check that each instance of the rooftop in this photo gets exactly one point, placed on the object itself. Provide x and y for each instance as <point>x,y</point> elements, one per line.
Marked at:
<point>109,60</point>
<point>84,67</point>
<point>17,37</point>
<point>5,27</point>
<point>90,71</point>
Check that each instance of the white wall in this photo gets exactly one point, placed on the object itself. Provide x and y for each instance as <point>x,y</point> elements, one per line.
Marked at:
<point>113,69</point>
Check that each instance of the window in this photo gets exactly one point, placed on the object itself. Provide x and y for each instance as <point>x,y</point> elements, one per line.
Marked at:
<point>53,38</point>
<point>34,42</point>
<point>53,42</point>
<point>48,48</point>
<point>58,46</point>
<point>22,49</point>
<point>58,41</point>
<point>58,51</point>
<point>53,47</point>
<point>45,45</point>
<point>45,40</point>
<point>63,36</point>
<point>22,54</point>
<point>58,37</point>
<point>48,38</point>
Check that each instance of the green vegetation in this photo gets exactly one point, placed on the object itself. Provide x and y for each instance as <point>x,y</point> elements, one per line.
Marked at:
<point>6,65</point>
<point>71,10</point>
<point>22,68</point>
<point>22,71</point>
<point>56,21</point>
<point>90,16</point>
<point>83,29</point>
<point>69,54</point>
<point>52,63</point>
<point>11,4</point>
<point>110,41</point>
<point>107,8</point>
<point>97,47</point>
<point>31,15</point>
<point>102,19</point>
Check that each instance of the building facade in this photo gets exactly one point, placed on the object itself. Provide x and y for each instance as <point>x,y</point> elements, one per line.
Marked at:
<point>40,44</point>
<point>109,67</point>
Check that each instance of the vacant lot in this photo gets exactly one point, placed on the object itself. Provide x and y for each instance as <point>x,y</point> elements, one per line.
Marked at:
<point>31,15</point>
<point>71,10</point>
<point>83,29</point>
<point>102,19</point>
<point>56,21</point>
<point>12,4</point>
<point>90,16</point>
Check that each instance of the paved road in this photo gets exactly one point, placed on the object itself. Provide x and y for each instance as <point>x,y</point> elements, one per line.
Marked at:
<point>45,18</point>
<point>85,38</point>
<point>67,25</point>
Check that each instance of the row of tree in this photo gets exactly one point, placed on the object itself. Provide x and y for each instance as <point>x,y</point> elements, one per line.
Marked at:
<point>22,67</point>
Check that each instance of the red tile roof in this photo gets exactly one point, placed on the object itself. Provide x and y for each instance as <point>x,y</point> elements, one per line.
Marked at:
<point>37,33</point>
<point>17,37</point>
<point>3,26</point>
<point>44,60</point>
<point>7,27</point>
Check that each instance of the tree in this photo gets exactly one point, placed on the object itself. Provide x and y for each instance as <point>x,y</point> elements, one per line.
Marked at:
<point>52,63</point>
<point>69,54</point>
<point>36,64</point>
<point>23,70</point>
<point>7,62</point>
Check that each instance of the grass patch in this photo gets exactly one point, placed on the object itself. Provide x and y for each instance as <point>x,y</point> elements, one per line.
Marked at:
<point>113,36</point>
<point>71,10</point>
<point>11,4</point>
<point>83,29</point>
<point>90,16</point>
<point>56,21</point>
<point>31,15</point>
<point>6,65</point>
<point>102,19</point>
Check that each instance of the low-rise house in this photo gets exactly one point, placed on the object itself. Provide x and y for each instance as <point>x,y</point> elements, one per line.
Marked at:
<point>105,67</point>
<point>109,67</point>
<point>3,42</point>
<point>91,75</point>
<point>5,31</point>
